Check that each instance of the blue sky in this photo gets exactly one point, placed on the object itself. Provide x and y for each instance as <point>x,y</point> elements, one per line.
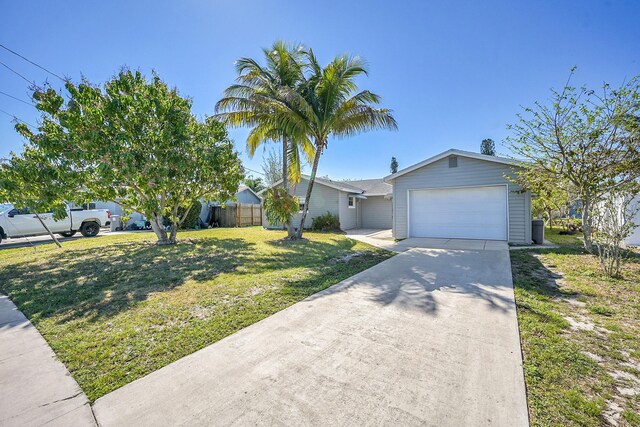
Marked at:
<point>453,72</point>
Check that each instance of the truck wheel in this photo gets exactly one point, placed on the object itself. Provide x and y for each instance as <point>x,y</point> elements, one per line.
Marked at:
<point>90,229</point>
<point>68,233</point>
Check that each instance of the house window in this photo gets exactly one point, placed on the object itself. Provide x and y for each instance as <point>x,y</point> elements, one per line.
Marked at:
<point>300,204</point>
<point>453,162</point>
<point>352,202</point>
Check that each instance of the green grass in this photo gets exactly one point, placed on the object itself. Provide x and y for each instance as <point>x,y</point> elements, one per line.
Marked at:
<point>573,373</point>
<point>554,236</point>
<point>118,307</point>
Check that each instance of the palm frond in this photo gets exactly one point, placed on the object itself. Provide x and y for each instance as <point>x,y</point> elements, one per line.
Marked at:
<point>363,118</point>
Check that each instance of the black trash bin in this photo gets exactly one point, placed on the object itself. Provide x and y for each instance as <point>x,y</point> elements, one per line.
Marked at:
<point>537,231</point>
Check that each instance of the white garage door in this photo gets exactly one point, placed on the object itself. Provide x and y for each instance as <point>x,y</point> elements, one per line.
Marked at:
<point>464,213</point>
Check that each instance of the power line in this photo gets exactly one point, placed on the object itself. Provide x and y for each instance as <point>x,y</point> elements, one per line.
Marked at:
<point>17,99</point>
<point>254,171</point>
<point>31,62</point>
<point>17,73</point>
<point>18,119</point>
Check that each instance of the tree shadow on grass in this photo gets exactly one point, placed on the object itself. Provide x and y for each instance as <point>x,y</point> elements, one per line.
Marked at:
<point>102,281</point>
<point>539,283</point>
<point>303,253</point>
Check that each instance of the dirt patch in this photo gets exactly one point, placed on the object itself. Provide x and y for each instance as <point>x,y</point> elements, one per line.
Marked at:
<point>613,413</point>
<point>552,279</point>
<point>629,391</point>
<point>583,324</point>
<point>574,302</point>
<point>345,258</point>
<point>620,375</point>
<point>593,356</point>
<point>200,312</point>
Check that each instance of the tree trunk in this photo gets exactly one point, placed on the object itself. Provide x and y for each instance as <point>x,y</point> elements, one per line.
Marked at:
<point>157,226</point>
<point>312,178</point>
<point>174,232</point>
<point>587,221</point>
<point>175,221</point>
<point>285,182</point>
<point>48,230</point>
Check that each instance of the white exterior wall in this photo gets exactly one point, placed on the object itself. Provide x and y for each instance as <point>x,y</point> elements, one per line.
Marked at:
<point>469,172</point>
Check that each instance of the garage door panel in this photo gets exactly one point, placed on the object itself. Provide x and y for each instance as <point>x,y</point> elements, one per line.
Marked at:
<point>471,213</point>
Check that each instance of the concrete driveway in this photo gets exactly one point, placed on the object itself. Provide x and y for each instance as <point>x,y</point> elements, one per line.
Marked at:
<point>428,337</point>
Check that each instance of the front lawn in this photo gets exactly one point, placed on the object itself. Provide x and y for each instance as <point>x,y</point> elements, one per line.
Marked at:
<point>580,334</point>
<point>118,307</point>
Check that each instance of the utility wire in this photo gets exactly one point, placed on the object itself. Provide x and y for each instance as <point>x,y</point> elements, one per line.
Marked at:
<point>31,62</point>
<point>17,73</point>
<point>255,171</point>
<point>17,99</point>
<point>18,119</point>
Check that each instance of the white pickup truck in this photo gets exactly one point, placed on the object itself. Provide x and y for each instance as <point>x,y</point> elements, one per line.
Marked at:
<point>22,223</point>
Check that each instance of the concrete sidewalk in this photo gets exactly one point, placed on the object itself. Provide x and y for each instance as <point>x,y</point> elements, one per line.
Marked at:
<point>428,337</point>
<point>35,388</point>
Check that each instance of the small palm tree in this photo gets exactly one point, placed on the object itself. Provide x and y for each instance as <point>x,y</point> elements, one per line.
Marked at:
<point>328,103</point>
<point>252,102</point>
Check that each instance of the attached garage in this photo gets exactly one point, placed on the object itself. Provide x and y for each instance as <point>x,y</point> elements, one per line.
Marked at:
<point>464,213</point>
<point>459,194</point>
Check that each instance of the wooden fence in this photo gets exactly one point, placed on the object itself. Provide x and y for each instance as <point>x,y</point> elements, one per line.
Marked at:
<point>240,215</point>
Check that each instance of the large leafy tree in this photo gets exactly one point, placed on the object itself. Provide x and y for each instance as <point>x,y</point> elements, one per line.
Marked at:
<point>250,102</point>
<point>134,141</point>
<point>585,140</point>
<point>328,104</point>
<point>40,182</point>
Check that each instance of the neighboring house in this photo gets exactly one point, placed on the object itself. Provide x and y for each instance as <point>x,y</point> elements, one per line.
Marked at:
<point>245,196</point>
<point>357,204</point>
<point>634,238</point>
<point>459,194</point>
<point>116,209</point>
<point>456,194</point>
<point>634,207</point>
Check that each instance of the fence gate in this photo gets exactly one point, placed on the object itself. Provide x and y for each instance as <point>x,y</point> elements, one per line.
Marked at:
<point>239,215</point>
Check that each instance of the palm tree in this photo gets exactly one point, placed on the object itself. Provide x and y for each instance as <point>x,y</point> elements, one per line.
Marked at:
<point>252,100</point>
<point>328,103</point>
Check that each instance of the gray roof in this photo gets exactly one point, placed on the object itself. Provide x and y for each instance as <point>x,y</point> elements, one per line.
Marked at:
<point>346,186</point>
<point>371,187</point>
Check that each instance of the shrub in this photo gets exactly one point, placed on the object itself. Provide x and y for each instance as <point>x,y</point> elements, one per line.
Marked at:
<point>193,217</point>
<point>279,206</point>
<point>326,222</point>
